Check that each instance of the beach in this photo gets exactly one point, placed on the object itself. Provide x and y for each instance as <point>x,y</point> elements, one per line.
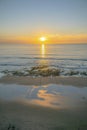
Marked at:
<point>43,87</point>
<point>19,115</point>
<point>25,80</point>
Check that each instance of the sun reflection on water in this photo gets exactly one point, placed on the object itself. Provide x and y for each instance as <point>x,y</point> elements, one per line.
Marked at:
<point>43,50</point>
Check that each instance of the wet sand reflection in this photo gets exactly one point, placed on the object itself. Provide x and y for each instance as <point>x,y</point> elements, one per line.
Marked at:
<point>52,95</point>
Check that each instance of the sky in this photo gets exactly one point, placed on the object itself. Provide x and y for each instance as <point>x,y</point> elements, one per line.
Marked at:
<point>60,21</point>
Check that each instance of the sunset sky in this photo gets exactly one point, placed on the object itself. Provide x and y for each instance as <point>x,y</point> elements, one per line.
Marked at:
<point>60,21</point>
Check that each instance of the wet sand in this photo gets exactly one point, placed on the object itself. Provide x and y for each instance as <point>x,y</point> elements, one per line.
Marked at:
<point>19,116</point>
<point>24,80</point>
<point>31,117</point>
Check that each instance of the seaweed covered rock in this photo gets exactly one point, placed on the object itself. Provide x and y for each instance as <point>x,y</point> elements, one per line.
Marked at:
<point>44,71</point>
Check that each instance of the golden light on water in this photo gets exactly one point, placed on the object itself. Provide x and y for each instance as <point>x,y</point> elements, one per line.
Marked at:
<point>43,50</point>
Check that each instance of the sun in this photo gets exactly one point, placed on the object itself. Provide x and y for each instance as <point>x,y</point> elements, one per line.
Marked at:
<point>43,39</point>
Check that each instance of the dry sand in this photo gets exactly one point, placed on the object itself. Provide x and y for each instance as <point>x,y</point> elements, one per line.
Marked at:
<point>19,116</point>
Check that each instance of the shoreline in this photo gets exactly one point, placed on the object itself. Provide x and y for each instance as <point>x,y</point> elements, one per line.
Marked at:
<point>24,80</point>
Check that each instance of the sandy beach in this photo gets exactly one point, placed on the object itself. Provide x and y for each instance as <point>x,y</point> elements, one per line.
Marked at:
<point>16,115</point>
<point>76,81</point>
<point>24,117</point>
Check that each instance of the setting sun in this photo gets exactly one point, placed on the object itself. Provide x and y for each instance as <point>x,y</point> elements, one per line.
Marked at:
<point>43,39</point>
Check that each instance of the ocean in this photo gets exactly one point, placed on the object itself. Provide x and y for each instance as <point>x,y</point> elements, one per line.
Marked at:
<point>43,59</point>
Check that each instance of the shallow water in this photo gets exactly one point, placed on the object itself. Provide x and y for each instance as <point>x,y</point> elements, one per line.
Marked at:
<point>52,95</point>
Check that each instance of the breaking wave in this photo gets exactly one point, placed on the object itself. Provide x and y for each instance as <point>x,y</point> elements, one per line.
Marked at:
<point>46,58</point>
<point>45,71</point>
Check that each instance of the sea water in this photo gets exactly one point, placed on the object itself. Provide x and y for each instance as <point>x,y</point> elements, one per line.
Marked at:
<point>43,59</point>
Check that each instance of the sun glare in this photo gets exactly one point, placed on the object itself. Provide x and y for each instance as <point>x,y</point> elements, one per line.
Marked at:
<point>43,39</point>
<point>43,50</point>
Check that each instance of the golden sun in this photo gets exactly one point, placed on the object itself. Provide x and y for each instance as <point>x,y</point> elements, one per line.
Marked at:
<point>43,39</point>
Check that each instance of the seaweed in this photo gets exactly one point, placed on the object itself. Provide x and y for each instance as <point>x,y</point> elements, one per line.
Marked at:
<point>44,71</point>
<point>73,73</point>
<point>84,73</point>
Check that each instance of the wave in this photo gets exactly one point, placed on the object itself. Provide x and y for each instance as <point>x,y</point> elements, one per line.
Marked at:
<point>11,64</point>
<point>60,59</point>
<point>45,71</point>
<point>47,58</point>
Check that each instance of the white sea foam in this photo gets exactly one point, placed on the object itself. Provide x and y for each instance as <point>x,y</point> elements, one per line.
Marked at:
<point>1,75</point>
